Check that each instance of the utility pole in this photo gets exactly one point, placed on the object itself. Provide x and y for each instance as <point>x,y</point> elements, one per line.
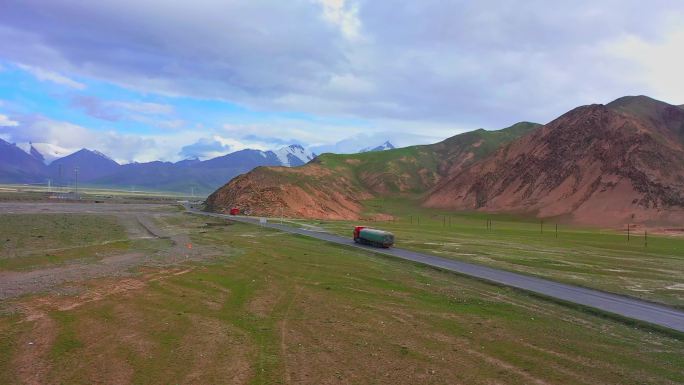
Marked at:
<point>645,238</point>
<point>192,191</point>
<point>541,227</point>
<point>76,181</point>
<point>60,179</point>
<point>556,230</point>
<point>49,185</point>
<point>628,225</point>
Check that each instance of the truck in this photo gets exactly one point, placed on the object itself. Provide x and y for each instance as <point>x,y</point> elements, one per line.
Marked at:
<point>374,237</point>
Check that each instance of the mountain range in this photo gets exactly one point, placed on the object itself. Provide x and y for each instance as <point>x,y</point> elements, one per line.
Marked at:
<point>596,164</point>
<point>94,168</point>
<point>43,161</point>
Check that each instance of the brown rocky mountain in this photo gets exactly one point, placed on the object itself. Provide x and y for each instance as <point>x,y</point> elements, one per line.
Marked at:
<point>597,164</point>
<point>334,185</point>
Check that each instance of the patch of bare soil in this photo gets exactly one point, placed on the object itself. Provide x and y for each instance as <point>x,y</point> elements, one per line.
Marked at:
<point>265,300</point>
<point>216,351</point>
<point>30,363</point>
<point>14,284</point>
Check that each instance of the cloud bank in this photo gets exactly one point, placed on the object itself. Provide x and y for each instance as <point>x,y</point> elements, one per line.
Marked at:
<point>424,68</point>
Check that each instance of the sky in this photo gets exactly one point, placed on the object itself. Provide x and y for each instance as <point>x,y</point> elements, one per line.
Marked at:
<point>168,80</point>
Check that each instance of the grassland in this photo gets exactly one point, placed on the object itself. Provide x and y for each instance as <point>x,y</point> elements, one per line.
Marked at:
<point>274,308</point>
<point>414,169</point>
<point>29,241</point>
<point>19,192</point>
<point>595,258</point>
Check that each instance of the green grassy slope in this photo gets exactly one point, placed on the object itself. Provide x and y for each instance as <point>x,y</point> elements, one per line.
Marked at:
<point>415,169</point>
<point>334,184</point>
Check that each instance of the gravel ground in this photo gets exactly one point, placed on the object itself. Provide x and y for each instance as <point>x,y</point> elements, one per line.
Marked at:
<point>139,221</point>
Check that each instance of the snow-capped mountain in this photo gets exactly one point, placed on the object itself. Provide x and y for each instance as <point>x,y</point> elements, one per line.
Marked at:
<point>16,166</point>
<point>49,152</point>
<point>294,155</point>
<point>90,164</point>
<point>385,146</point>
<point>97,169</point>
<point>36,154</point>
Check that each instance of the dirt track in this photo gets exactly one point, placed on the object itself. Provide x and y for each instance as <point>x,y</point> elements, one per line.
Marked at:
<point>139,221</point>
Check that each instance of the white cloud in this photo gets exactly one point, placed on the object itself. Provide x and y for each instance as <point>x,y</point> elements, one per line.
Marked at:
<point>5,121</point>
<point>344,15</point>
<point>50,151</point>
<point>142,107</point>
<point>428,67</point>
<point>658,65</point>
<point>63,137</point>
<point>54,77</point>
<point>115,110</point>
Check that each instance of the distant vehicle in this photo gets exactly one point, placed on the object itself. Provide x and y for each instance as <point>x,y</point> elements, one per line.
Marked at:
<point>235,211</point>
<point>373,237</point>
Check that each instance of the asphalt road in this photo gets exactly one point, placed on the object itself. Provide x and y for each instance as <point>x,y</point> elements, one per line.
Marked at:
<point>624,306</point>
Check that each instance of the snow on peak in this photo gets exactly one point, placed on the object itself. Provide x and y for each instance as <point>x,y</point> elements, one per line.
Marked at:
<point>294,155</point>
<point>385,146</point>
<point>51,152</point>
<point>98,153</point>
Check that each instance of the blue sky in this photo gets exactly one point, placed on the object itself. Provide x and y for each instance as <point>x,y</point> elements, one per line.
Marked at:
<point>151,80</point>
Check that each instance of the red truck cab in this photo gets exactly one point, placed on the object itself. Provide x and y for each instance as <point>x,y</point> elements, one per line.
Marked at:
<point>357,229</point>
<point>235,211</point>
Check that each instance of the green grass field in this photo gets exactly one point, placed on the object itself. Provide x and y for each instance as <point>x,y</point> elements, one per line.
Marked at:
<point>19,192</point>
<point>29,241</point>
<point>601,259</point>
<point>272,308</point>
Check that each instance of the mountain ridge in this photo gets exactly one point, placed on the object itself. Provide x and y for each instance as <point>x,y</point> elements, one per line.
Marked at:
<point>97,169</point>
<point>17,166</point>
<point>333,185</point>
<point>596,164</point>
